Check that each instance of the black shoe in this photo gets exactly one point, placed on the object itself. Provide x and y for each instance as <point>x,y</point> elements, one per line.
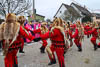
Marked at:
<point>53,62</point>
<point>42,49</point>
<point>95,47</point>
<point>88,36</point>
<point>80,50</point>
<point>98,46</point>
<point>21,52</point>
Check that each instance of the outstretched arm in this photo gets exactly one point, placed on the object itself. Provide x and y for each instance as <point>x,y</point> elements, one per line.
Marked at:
<point>50,34</point>
<point>90,32</point>
<point>24,34</point>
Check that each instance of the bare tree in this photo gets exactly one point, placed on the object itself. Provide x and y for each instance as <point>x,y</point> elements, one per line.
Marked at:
<point>73,14</point>
<point>14,6</point>
<point>70,15</point>
<point>66,15</point>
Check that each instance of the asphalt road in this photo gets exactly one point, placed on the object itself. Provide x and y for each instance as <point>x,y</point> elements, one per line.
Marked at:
<point>33,58</point>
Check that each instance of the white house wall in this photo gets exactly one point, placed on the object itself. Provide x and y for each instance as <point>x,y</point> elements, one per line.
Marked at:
<point>62,10</point>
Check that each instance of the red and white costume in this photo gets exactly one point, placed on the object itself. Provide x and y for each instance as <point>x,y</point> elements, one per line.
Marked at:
<point>11,42</point>
<point>57,44</point>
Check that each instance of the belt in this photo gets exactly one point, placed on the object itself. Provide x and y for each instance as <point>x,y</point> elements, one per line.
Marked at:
<point>57,41</point>
<point>16,47</point>
<point>17,43</point>
<point>10,49</point>
<point>59,45</point>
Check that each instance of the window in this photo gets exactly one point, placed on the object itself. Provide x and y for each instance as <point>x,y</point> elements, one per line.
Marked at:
<point>97,17</point>
<point>22,1</point>
<point>60,11</point>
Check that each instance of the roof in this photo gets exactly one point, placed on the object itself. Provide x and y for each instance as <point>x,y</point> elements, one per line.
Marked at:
<point>58,9</point>
<point>73,11</point>
<point>69,8</point>
<point>82,9</point>
<point>40,15</point>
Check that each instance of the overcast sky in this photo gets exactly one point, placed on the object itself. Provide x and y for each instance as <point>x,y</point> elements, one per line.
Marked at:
<point>48,8</point>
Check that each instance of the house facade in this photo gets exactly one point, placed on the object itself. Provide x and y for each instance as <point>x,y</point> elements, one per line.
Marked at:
<point>96,17</point>
<point>62,12</point>
<point>73,12</point>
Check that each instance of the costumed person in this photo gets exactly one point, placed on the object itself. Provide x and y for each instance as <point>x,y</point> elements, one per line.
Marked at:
<point>87,28</point>
<point>21,21</point>
<point>44,29</point>
<point>72,26</point>
<point>28,28</point>
<point>68,32</point>
<point>98,34</point>
<point>78,36</point>
<point>58,42</point>
<point>10,33</point>
<point>94,35</point>
<point>37,25</point>
<point>99,38</point>
<point>25,25</point>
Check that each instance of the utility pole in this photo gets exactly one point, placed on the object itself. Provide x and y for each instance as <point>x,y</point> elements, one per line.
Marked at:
<point>34,9</point>
<point>33,6</point>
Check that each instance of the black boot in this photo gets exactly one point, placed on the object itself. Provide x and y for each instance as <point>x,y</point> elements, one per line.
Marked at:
<point>87,36</point>
<point>52,62</point>
<point>15,64</point>
<point>98,46</point>
<point>95,47</point>
<point>42,49</point>
<point>79,48</point>
<point>21,51</point>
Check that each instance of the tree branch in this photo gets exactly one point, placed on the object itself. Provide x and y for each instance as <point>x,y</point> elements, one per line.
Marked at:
<point>16,6</point>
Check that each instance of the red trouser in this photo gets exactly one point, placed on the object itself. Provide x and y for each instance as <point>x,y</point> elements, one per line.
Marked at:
<point>60,52</point>
<point>93,40</point>
<point>10,59</point>
<point>77,42</point>
<point>22,44</point>
<point>44,43</point>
